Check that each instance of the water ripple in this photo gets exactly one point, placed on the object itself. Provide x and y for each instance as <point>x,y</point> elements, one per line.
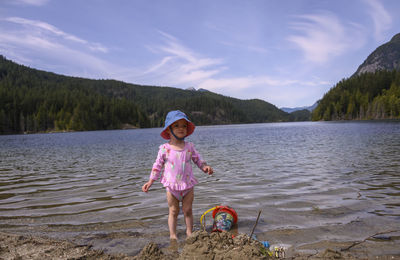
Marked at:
<point>300,174</point>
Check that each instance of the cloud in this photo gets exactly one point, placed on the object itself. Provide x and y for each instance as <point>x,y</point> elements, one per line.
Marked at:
<point>71,60</point>
<point>276,90</point>
<point>173,64</point>
<point>241,83</point>
<point>323,36</point>
<point>29,2</point>
<point>41,43</point>
<point>42,28</point>
<point>381,18</point>
<point>178,65</point>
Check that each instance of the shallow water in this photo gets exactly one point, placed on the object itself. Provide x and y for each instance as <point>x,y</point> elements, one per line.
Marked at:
<point>313,181</point>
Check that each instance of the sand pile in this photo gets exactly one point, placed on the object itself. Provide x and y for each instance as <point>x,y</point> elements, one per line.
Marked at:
<point>28,247</point>
<point>218,246</point>
<point>201,245</point>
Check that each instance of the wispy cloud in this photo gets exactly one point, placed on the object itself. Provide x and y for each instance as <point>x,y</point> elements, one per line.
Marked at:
<point>40,28</point>
<point>179,65</point>
<point>271,89</point>
<point>28,2</point>
<point>242,83</point>
<point>174,64</point>
<point>381,18</point>
<point>47,45</point>
<point>323,36</point>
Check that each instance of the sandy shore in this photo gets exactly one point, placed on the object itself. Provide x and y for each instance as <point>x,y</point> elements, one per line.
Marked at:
<point>201,245</point>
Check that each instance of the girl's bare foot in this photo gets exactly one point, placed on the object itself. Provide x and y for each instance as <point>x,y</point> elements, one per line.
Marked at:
<point>173,246</point>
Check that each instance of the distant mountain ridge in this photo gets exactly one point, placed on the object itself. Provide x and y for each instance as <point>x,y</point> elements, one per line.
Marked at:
<point>291,110</point>
<point>38,101</point>
<point>385,57</point>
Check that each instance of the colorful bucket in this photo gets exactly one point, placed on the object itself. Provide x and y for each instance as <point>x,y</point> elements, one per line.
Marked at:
<point>224,218</point>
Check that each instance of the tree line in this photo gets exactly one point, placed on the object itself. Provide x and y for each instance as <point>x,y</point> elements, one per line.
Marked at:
<point>37,101</point>
<point>363,97</point>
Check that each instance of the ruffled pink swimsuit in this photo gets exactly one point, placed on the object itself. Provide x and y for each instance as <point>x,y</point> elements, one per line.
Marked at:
<point>177,175</point>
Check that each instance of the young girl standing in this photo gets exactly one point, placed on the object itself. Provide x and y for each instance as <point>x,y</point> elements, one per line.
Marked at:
<point>173,164</point>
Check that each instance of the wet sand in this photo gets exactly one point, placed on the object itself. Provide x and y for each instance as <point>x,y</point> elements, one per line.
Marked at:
<point>135,239</point>
<point>34,247</point>
<point>201,245</point>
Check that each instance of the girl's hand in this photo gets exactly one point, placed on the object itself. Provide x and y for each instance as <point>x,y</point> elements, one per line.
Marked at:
<point>208,169</point>
<point>147,186</point>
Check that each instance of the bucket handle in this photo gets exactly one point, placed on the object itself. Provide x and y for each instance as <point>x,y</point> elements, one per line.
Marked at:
<point>202,216</point>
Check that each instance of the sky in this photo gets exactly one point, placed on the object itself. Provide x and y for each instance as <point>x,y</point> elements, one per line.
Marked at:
<point>286,52</point>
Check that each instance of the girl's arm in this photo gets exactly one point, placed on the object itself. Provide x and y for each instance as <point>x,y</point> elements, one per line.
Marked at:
<point>196,157</point>
<point>147,185</point>
<point>155,171</point>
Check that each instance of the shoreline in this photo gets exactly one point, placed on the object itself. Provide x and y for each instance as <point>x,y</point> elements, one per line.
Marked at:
<point>132,127</point>
<point>201,245</point>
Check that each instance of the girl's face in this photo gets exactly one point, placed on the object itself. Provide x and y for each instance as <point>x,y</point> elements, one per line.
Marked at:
<point>180,128</point>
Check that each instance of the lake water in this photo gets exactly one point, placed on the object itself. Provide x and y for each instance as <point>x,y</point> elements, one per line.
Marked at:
<point>313,181</point>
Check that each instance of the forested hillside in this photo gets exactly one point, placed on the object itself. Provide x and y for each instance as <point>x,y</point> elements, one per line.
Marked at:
<point>366,96</point>
<point>38,101</point>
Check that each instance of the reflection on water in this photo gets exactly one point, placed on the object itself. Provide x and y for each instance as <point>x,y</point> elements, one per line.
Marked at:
<point>302,175</point>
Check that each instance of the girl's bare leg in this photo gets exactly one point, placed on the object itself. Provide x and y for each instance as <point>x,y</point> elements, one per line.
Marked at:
<point>173,205</point>
<point>187,211</point>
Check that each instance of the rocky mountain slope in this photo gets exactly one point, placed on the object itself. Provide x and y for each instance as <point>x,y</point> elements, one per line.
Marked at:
<point>373,92</point>
<point>385,57</point>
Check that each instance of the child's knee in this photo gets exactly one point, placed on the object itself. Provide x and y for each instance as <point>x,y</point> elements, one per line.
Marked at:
<point>187,210</point>
<point>174,211</point>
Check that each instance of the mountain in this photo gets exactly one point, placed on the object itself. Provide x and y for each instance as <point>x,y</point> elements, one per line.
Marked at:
<point>200,89</point>
<point>373,92</point>
<point>300,115</point>
<point>385,57</point>
<point>38,101</point>
<point>290,110</point>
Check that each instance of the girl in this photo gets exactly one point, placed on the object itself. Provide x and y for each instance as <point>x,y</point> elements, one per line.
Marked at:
<point>177,175</point>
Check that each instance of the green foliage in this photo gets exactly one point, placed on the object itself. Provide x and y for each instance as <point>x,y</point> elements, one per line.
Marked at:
<point>368,96</point>
<point>300,115</point>
<point>37,101</point>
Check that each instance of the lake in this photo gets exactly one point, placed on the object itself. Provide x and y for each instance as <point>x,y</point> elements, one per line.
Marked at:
<point>313,181</point>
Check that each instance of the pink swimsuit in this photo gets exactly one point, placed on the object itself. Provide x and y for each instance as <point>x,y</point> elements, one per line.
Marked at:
<point>179,194</point>
<point>177,176</point>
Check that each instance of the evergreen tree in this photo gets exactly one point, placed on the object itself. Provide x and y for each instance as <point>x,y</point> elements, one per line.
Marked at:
<point>368,96</point>
<point>38,101</point>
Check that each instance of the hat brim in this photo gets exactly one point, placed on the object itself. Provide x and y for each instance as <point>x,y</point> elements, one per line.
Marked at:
<point>190,129</point>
